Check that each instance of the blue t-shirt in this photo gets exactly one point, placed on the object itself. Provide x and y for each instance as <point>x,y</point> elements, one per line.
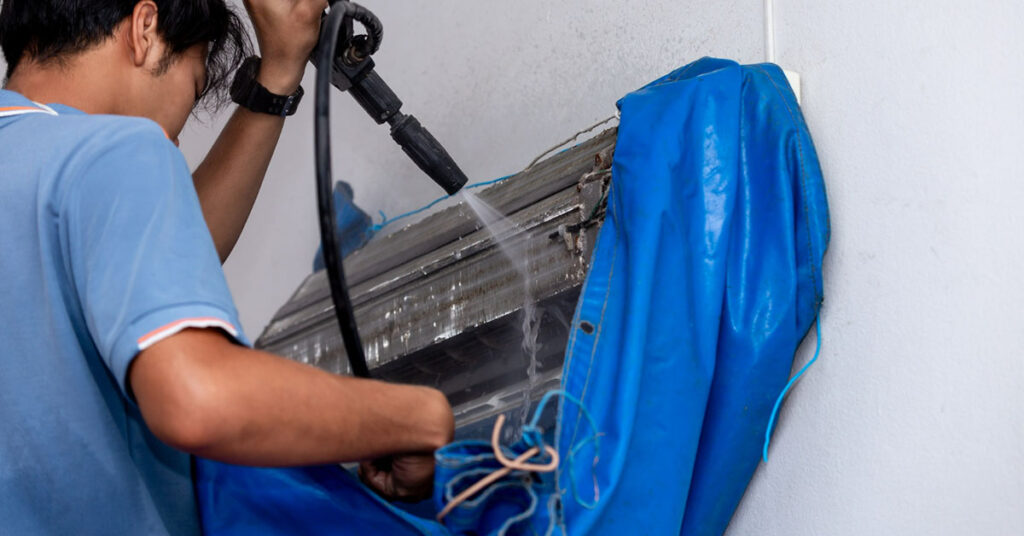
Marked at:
<point>103,252</point>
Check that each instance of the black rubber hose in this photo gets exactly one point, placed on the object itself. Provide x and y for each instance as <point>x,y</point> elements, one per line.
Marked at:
<point>325,197</point>
<point>374,28</point>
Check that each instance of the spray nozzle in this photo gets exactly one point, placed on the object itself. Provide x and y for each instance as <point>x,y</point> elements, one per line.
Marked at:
<point>427,152</point>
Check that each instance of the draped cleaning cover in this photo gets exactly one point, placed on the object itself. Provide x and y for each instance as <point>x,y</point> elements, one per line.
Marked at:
<point>706,276</point>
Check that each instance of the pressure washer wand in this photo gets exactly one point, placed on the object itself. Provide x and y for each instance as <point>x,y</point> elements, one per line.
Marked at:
<point>352,70</point>
<point>349,67</point>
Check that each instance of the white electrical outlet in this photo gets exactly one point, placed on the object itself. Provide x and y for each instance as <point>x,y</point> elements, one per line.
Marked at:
<point>794,82</point>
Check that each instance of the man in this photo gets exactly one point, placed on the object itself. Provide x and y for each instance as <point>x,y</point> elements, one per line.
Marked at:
<point>119,346</point>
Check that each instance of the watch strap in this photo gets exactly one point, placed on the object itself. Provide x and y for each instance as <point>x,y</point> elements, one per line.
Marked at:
<point>247,92</point>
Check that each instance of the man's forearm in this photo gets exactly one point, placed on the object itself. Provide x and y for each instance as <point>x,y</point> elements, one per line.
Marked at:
<point>229,179</point>
<point>204,395</point>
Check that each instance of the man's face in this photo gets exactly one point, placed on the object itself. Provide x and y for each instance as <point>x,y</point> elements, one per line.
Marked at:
<point>174,89</point>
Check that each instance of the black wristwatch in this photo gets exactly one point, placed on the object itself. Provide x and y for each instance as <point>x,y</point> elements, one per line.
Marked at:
<point>250,94</point>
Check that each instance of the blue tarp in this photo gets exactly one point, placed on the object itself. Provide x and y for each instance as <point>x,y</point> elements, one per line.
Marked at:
<point>354,227</point>
<point>705,278</point>
<point>323,500</point>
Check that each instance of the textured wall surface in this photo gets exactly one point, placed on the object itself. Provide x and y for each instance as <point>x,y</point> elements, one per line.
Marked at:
<point>912,422</point>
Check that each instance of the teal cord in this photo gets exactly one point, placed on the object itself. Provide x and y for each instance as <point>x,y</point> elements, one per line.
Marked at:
<point>385,221</point>
<point>778,402</point>
<point>532,436</point>
<point>486,183</point>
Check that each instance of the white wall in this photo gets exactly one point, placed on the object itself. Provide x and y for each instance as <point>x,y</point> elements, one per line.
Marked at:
<point>912,422</point>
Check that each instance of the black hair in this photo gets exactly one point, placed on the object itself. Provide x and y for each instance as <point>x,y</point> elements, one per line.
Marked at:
<point>49,30</point>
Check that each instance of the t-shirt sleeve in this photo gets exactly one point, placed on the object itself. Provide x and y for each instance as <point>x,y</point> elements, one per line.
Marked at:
<point>141,259</point>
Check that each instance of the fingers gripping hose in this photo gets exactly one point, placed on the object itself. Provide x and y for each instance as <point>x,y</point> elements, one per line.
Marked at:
<point>340,11</point>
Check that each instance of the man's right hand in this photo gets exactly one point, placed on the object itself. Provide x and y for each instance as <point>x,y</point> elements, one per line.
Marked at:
<point>407,478</point>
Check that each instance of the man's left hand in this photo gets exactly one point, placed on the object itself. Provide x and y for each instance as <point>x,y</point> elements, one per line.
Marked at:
<point>287,31</point>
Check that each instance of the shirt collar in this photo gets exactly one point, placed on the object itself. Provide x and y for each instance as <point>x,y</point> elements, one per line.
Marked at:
<point>13,98</point>
<point>10,98</point>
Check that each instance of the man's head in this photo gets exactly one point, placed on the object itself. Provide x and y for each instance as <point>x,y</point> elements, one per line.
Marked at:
<point>168,53</point>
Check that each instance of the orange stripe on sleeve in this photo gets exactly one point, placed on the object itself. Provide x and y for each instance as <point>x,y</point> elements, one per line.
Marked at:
<point>166,331</point>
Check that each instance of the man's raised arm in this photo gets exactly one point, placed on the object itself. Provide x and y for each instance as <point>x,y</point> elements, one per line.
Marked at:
<point>229,178</point>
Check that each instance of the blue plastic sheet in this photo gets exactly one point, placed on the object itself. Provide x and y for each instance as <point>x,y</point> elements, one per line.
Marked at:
<point>705,278</point>
<point>245,501</point>
<point>353,226</point>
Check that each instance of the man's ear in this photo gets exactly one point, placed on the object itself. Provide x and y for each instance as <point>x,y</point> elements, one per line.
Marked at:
<point>144,42</point>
